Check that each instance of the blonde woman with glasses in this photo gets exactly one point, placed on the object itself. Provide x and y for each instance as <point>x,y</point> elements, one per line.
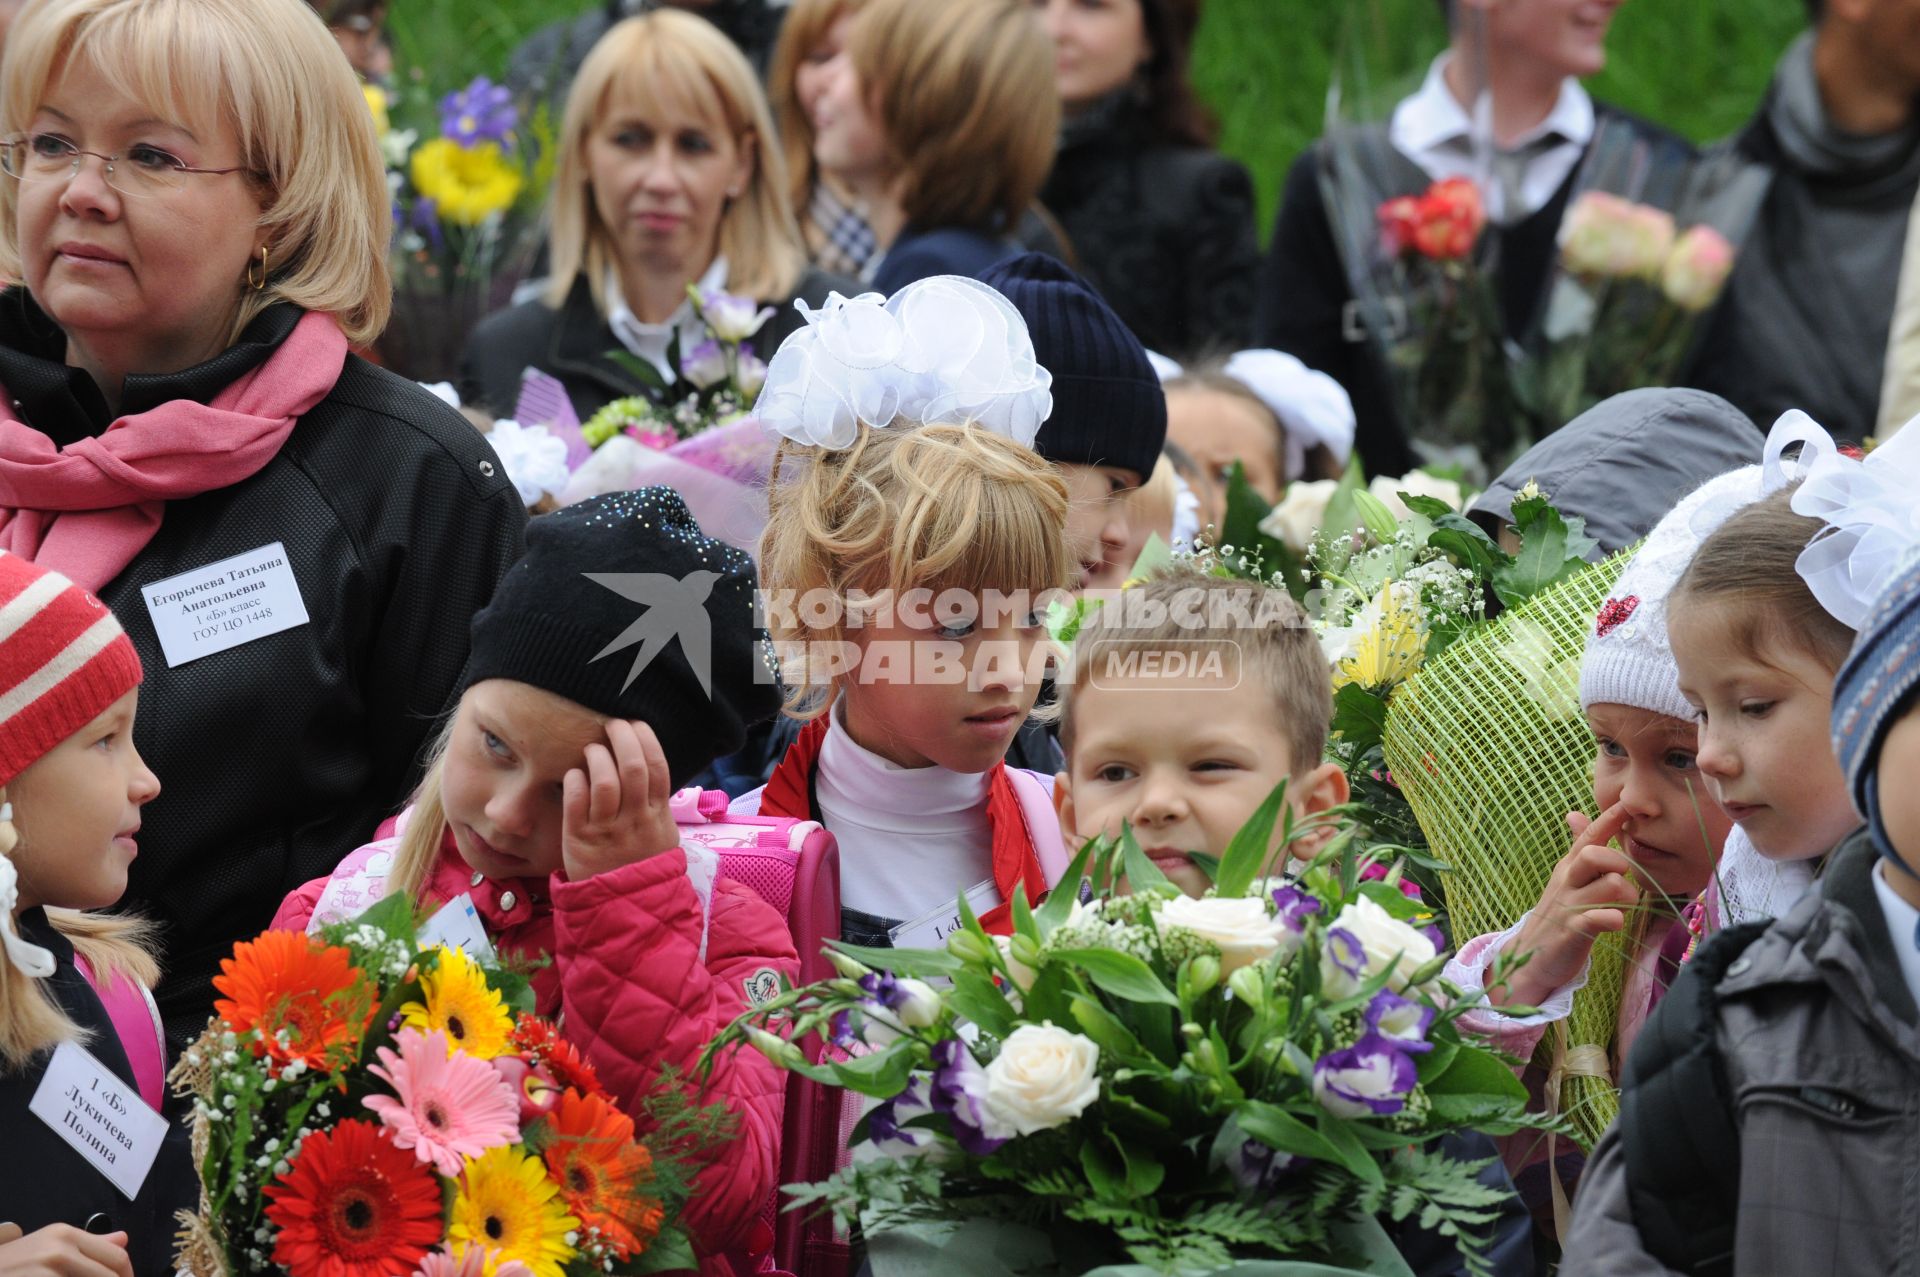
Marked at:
<point>196,211</point>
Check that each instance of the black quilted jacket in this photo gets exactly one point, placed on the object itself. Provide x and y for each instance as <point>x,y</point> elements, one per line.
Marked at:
<point>279,756</point>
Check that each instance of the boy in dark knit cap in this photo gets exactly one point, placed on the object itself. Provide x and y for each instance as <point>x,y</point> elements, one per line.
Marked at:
<point>617,659</point>
<point>1109,417</point>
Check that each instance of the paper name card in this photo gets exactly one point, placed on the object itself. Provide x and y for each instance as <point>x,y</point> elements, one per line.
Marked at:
<point>225,604</point>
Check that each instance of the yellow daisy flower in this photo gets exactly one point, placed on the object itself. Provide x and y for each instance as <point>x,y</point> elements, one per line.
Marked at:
<point>1390,649</point>
<point>461,1004</point>
<point>467,184</point>
<point>505,1204</point>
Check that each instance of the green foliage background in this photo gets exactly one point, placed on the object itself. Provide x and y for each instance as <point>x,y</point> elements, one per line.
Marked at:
<point>1697,66</point>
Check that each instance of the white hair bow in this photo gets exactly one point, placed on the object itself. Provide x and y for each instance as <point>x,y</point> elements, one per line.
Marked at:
<point>944,349</point>
<point>1312,407</point>
<point>30,958</point>
<point>1871,507</point>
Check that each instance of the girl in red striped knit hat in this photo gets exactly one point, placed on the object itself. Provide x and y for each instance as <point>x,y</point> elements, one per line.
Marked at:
<point>93,1173</point>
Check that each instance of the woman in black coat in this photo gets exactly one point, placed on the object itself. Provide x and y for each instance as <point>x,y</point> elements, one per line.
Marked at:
<point>669,179</point>
<point>294,540</point>
<point>1162,225</point>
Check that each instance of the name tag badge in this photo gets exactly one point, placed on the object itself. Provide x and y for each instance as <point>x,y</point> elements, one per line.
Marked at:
<point>103,1118</point>
<point>457,925</point>
<point>225,604</point>
<point>931,929</point>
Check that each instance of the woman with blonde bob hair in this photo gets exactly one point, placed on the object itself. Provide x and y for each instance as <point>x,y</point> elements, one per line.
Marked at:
<point>669,177</point>
<point>196,212</point>
<point>940,115</point>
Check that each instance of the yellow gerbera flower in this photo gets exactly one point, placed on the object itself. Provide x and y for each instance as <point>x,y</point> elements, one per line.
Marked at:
<point>461,1004</point>
<point>467,184</point>
<point>1389,650</point>
<point>506,1205</point>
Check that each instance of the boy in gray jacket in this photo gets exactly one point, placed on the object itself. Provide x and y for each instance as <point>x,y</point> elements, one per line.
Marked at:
<point>1772,1106</point>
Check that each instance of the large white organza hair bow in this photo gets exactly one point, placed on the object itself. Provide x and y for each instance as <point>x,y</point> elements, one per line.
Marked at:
<point>16,948</point>
<point>945,349</point>
<point>1871,507</point>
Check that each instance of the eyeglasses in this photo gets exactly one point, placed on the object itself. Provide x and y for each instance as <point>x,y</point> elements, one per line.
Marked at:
<point>143,170</point>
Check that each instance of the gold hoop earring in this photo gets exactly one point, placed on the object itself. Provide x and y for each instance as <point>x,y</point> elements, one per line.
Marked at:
<point>260,283</point>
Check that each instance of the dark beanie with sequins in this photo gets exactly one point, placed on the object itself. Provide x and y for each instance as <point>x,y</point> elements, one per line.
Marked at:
<point>1875,689</point>
<point>621,604</point>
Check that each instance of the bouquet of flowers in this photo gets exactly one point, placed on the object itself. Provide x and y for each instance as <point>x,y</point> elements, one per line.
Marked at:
<point>365,1106</point>
<point>466,213</point>
<point>1177,1082</point>
<point>718,379</point>
<point>1625,309</point>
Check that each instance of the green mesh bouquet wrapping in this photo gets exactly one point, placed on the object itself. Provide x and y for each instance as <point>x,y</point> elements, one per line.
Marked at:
<point>1489,744</point>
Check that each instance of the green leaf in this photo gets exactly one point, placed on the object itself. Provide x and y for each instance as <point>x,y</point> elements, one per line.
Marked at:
<point>1343,515</point>
<point>1141,872</point>
<point>1106,1173</point>
<point>1246,856</point>
<point>1431,507</point>
<point>1107,1032</point>
<point>1359,716</point>
<point>1059,902</point>
<point>1552,548</point>
<point>919,963</point>
<point>1281,1130</point>
<point>1120,974</point>
<point>640,370</point>
<point>1476,1072</point>
<point>1393,900</point>
<point>1349,1151</point>
<point>1240,525</point>
<point>1154,555</point>
<point>882,1075</point>
<point>670,1251</point>
<point>977,998</point>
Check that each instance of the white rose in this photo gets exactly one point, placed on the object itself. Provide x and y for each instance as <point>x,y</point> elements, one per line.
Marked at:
<point>1420,484</point>
<point>1245,929</point>
<point>1382,939</point>
<point>1298,516</point>
<point>1043,1077</point>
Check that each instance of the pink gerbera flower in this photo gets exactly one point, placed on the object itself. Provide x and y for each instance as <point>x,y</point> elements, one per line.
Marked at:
<point>472,1263</point>
<point>449,1107</point>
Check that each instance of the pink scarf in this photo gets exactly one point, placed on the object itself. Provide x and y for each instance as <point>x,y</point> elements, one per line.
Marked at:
<point>89,508</point>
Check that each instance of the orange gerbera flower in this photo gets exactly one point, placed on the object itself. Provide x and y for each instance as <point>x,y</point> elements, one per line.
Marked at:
<point>602,1171</point>
<point>306,998</point>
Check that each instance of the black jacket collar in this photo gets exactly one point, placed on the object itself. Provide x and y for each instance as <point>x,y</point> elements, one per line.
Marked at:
<point>63,403</point>
<point>583,343</point>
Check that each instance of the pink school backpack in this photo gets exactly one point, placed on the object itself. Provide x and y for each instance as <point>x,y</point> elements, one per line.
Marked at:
<point>793,865</point>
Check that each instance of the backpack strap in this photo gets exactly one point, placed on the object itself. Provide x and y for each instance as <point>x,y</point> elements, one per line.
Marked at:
<point>1043,823</point>
<point>1678,1130</point>
<point>136,1022</point>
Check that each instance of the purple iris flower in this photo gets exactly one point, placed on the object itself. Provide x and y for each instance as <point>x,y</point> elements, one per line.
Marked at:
<point>481,112</point>
<point>1371,1078</point>
<point>425,218</point>
<point>960,1092</point>
<point>1401,1021</point>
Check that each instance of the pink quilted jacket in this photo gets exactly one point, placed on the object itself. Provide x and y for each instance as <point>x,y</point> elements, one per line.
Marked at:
<point>633,994</point>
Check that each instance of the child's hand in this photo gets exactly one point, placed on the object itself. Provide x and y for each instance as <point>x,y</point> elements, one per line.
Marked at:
<point>615,810</point>
<point>61,1250</point>
<point>1589,894</point>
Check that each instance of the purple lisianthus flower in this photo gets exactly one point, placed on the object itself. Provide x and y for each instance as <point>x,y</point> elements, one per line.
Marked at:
<point>1343,963</point>
<point>1295,906</point>
<point>705,365</point>
<point>1371,1078</point>
<point>960,1093</point>
<point>481,112</point>
<point>751,374</point>
<point>1259,1169</point>
<point>883,990</point>
<point>840,1031</point>
<point>887,1124</point>
<point>732,318</point>
<point>1400,1020</point>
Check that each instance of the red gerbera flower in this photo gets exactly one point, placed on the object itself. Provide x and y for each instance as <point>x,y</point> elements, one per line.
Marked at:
<point>541,1041</point>
<point>306,998</point>
<point>353,1205</point>
<point>602,1171</point>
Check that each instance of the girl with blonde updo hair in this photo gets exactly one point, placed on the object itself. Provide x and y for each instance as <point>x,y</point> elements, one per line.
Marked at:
<point>913,543</point>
